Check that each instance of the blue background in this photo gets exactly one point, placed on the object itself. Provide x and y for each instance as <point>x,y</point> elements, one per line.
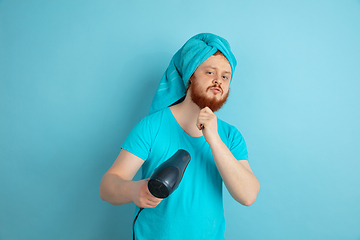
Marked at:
<point>76,76</point>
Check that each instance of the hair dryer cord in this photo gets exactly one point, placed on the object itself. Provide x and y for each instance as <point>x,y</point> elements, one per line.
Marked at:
<point>135,221</point>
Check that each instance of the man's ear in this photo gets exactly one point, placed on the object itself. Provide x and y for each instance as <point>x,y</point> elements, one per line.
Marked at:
<point>188,86</point>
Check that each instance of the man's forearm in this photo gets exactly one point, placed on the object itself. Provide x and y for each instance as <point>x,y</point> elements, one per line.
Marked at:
<point>115,190</point>
<point>239,180</point>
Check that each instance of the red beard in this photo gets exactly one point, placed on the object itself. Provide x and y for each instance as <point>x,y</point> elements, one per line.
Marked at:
<point>203,101</point>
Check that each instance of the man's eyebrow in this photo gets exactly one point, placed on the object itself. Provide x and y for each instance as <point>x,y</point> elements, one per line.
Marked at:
<point>217,68</point>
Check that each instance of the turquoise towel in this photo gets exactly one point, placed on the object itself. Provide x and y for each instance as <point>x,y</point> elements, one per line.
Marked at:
<point>183,64</point>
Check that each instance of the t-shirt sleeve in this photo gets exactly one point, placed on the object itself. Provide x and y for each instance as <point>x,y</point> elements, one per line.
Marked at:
<point>237,145</point>
<point>138,142</point>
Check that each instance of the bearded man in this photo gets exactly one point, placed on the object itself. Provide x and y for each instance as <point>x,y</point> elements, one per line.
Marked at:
<point>203,69</point>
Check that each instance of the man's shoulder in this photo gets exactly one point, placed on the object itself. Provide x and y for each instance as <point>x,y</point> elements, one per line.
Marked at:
<point>157,115</point>
<point>231,136</point>
<point>154,120</point>
<point>228,130</point>
<point>150,125</point>
<point>226,126</point>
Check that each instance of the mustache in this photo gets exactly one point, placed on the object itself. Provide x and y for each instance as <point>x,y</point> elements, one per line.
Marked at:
<point>217,86</point>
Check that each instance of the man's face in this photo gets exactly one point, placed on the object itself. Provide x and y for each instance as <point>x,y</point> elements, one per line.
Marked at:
<point>209,85</point>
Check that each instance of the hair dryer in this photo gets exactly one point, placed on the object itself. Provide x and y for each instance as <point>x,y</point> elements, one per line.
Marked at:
<point>166,178</point>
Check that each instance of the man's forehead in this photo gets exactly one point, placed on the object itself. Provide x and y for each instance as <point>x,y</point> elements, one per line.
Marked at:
<point>218,61</point>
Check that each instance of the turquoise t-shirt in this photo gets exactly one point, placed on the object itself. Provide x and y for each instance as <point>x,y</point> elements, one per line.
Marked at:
<point>195,209</point>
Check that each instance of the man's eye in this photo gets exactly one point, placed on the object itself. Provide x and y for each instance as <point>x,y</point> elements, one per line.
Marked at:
<point>225,77</point>
<point>210,73</point>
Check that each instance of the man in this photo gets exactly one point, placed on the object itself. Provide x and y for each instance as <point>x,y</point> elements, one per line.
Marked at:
<point>203,68</point>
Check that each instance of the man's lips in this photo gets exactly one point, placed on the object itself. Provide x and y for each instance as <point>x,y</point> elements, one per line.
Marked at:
<point>215,89</point>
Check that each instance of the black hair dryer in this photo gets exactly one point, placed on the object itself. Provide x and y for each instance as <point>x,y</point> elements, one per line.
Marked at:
<point>166,178</point>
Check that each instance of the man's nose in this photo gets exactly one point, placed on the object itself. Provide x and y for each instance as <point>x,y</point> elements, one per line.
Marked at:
<point>217,79</point>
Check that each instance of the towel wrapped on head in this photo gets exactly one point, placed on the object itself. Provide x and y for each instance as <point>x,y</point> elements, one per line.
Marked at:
<point>184,63</point>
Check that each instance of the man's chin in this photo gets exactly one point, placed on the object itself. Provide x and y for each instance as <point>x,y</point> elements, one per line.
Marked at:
<point>214,101</point>
<point>214,104</point>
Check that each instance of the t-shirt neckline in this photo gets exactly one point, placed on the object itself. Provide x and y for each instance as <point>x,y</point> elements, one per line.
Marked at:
<point>178,125</point>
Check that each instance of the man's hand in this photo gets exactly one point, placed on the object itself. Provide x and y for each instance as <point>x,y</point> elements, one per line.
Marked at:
<point>207,122</point>
<point>141,195</point>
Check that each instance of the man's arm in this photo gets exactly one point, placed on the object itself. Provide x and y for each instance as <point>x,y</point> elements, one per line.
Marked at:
<point>117,186</point>
<point>237,175</point>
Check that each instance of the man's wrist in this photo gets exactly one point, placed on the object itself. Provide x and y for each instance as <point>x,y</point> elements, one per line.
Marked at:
<point>215,141</point>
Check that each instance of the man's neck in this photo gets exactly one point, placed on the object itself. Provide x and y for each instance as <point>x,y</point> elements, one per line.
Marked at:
<point>186,114</point>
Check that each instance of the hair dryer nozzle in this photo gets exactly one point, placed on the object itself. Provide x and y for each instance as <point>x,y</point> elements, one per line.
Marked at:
<point>166,178</point>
